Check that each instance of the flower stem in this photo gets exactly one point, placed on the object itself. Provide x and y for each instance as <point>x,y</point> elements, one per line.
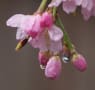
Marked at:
<point>54,11</point>
<point>42,6</point>
<point>67,40</point>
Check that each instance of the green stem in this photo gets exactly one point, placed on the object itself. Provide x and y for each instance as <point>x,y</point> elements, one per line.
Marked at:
<point>42,6</point>
<point>66,37</point>
<point>54,11</point>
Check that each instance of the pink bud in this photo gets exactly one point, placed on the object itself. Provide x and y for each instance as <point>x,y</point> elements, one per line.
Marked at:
<point>46,20</point>
<point>79,62</point>
<point>53,68</point>
<point>43,58</point>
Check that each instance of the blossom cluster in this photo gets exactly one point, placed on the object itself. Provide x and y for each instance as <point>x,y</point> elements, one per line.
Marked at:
<point>70,6</point>
<point>41,31</point>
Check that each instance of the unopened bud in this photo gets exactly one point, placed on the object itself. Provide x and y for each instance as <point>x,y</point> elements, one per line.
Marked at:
<point>79,62</point>
<point>43,58</point>
<point>53,68</point>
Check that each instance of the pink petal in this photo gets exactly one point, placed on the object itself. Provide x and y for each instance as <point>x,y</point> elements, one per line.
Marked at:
<point>27,22</point>
<point>39,42</point>
<point>55,33</point>
<point>90,5</point>
<point>69,6</point>
<point>31,25</point>
<point>15,20</point>
<point>78,2</point>
<point>84,3</point>
<point>55,3</point>
<point>20,34</point>
<point>56,46</point>
<point>86,14</point>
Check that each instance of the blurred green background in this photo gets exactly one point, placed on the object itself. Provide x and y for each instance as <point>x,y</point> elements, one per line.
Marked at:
<point>21,71</point>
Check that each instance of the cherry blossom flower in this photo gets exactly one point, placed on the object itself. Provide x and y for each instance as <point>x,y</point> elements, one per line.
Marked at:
<point>49,40</point>
<point>87,7</point>
<point>53,68</point>
<point>36,26</point>
<point>42,32</point>
<point>70,6</point>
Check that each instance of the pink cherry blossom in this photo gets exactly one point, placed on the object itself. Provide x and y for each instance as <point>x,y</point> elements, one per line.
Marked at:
<point>79,62</point>
<point>70,6</point>
<point>49,40</point>
<point>53,67</point>
<point>44,34</point>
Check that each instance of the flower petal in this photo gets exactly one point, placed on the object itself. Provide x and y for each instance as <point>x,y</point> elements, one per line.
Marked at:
<point>20,34</point>
<point>55,3</point>
<point>15,20</point>
<point>55,46</point>
<point>69,6</point>
<point>31,25</point>
<point>55,33</point>
<point>39,42</point>
<point>78,2</point>
<point>84,3</point>
<point>86,14</point>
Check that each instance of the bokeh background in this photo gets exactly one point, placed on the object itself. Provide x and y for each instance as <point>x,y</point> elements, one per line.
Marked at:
<point>21,71</point>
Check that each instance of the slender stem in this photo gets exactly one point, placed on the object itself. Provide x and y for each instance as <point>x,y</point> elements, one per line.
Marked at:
<point>66,37</point>
<point>42,6</point>
<point>54,11</point>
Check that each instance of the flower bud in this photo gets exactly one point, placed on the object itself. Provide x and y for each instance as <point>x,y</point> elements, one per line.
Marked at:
<point>53,68</point>
<point>43,58</point>
<point>46,20</point>
<point>79,62</point>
